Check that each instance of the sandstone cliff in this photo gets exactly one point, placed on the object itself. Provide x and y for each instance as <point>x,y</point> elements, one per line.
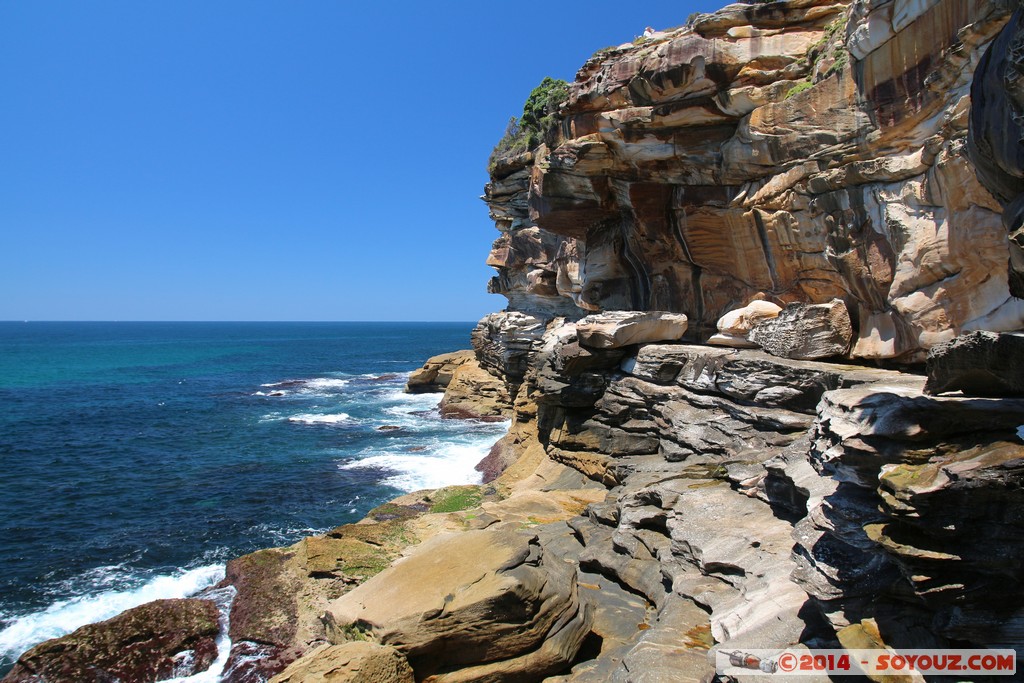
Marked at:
<point>795,151</point>
<point>796,182</point>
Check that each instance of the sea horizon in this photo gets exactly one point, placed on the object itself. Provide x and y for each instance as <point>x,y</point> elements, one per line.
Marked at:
<point>141,456</point>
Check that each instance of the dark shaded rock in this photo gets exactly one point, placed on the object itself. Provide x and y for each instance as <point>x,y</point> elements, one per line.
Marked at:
<point>978,364</point>
<point>565,372</point>
<point>155,641</point>
<point>996,132</point>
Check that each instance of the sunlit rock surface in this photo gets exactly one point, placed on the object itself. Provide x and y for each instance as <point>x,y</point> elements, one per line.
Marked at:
<point>798,152</point>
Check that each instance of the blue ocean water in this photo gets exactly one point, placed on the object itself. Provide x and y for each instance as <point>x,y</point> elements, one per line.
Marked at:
<point>136,458</point>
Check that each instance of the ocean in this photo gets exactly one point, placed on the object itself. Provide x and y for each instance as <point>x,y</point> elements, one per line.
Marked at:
<point>137,458</point>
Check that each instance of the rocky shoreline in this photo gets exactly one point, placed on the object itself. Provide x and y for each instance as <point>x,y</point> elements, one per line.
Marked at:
<point>762,362</point>
<point>662,501</point>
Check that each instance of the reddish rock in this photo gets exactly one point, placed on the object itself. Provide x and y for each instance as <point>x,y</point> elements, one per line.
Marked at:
<point>152,642</point>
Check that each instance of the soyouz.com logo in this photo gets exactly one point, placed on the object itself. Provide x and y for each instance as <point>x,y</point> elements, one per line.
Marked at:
<point>805,662</point>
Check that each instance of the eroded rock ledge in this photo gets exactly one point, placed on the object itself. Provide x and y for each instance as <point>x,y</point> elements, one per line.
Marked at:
<point>736,500</point>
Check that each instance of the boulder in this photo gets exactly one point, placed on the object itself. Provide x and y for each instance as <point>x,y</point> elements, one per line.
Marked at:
<point>478,605</point>
<point>806,332</point>
<point>437,372</point>
<point>503,342</point>
<point>615,329</point>
<point>978,364</point>
<point>152,642</point>
<point>743,320</point>
<point>735,326</point>
<point>356,662</point>
<point>474,393</point>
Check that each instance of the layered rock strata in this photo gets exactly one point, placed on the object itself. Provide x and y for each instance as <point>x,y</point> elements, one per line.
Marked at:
<point>795,151</point>
<point>742,501</point>
<point>814,180</point>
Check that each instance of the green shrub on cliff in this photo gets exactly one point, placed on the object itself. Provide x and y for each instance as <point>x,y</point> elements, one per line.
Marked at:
<point>512,142</point>
<point>799,88</point>
<point>538,122</point>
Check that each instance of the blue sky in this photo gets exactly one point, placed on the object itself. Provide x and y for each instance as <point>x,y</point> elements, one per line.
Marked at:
<point>301,160</point>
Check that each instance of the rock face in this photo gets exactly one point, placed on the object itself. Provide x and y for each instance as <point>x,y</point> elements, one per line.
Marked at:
<point>503,341</point>
<point>799,151</point>
<point>152,642</point>
<point>997,128</point>
<point>359,662</point>
<point>474,393</point>
<point>511,613</point>
<point>978,364</point>
<point>437,373</point>
<point>470,392</point>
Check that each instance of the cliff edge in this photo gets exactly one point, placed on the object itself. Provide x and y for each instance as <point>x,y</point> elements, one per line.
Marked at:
<point>795,152</point>
<point>728,249</point>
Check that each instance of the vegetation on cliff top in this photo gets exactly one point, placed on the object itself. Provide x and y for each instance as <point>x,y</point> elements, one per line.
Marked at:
<point>830,49</point>
<point>539,119</point>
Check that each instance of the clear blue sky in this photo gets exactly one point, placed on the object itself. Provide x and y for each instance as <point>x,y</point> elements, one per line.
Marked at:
<point>253,160</point>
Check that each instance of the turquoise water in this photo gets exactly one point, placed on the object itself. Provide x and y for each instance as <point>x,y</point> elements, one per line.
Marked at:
<point>136,458</point>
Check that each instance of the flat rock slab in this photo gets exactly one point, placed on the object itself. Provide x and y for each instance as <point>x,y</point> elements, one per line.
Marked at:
<point>615,329</point>
<point>357,662</point>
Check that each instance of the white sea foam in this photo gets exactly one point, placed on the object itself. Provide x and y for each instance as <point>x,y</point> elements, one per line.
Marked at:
<point>442,464</point>
<point>1020,432</point>
<point>319,386</point>
<point>325,384</point>
<point>22,632</point>
<point>319,418</point>
<point>411,401</point>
